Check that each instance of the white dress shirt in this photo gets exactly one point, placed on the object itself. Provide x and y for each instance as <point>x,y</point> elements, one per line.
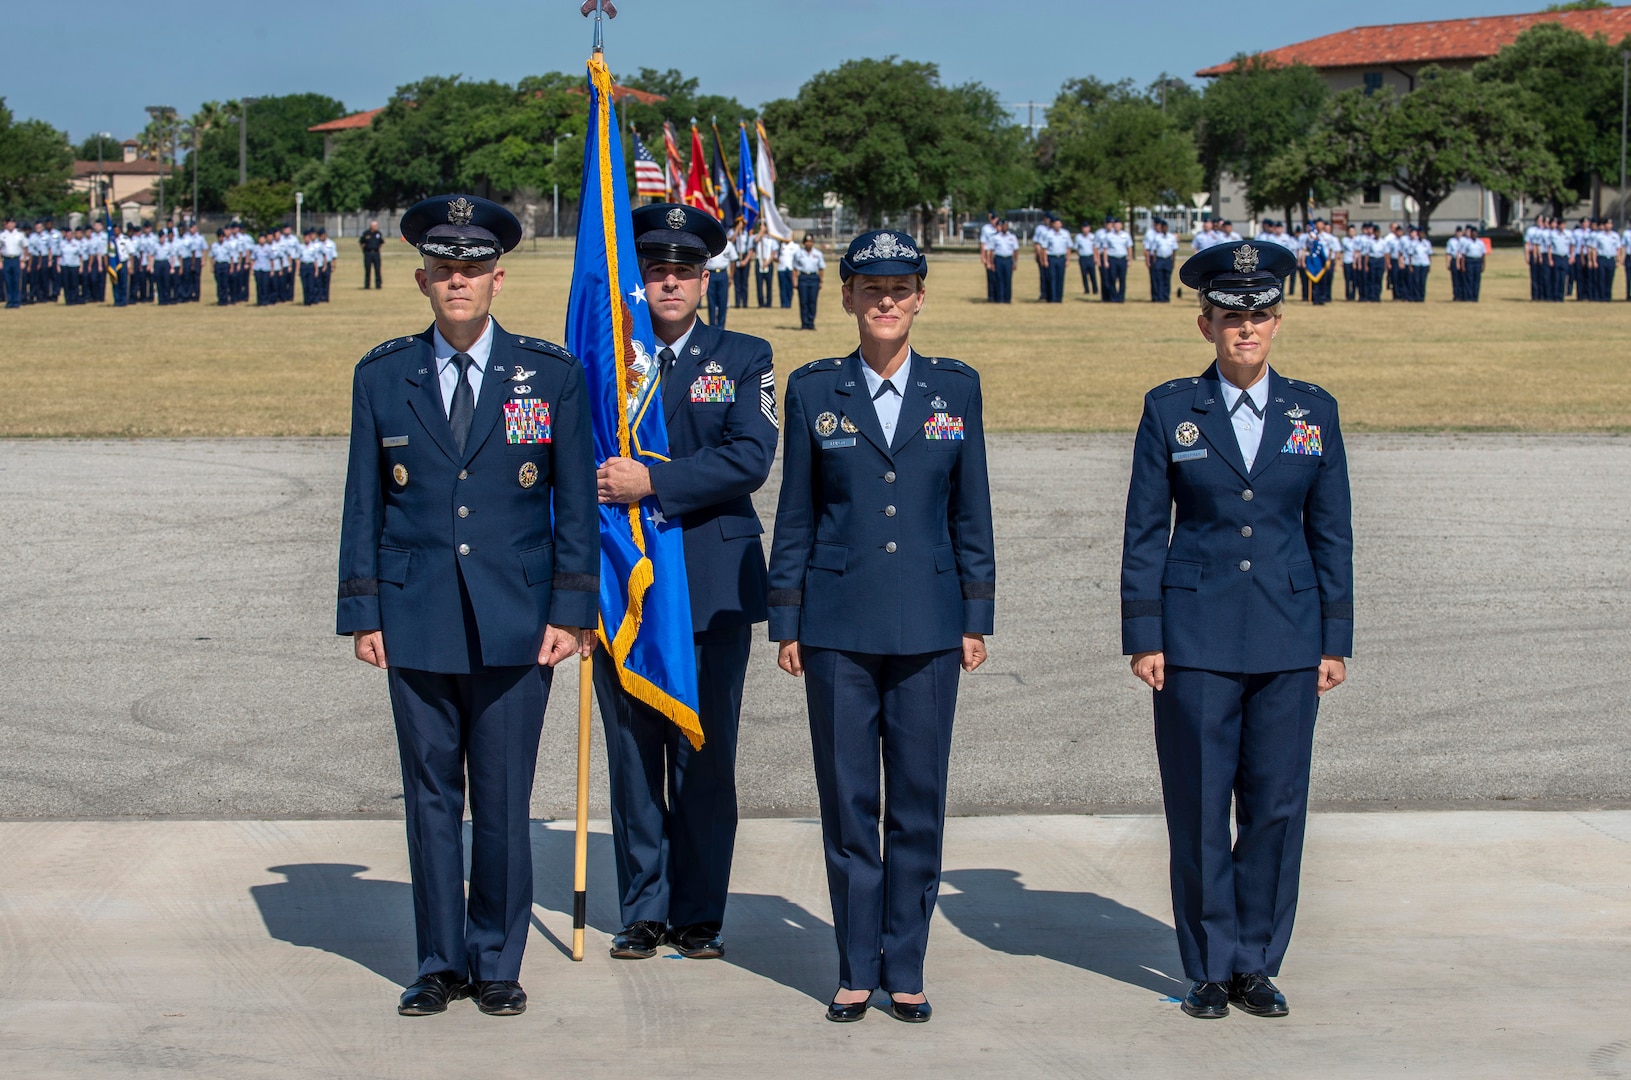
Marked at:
<point>1248,424</point>
<point>888,405</point>
<point>448,372</point>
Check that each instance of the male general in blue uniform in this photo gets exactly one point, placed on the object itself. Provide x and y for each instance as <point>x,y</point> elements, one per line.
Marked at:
<point>469,567</point>
<point>1237,610</point>
<point>673,806</point>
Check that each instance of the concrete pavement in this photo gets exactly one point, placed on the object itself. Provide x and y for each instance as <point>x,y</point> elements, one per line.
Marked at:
<point>1472,944</point>
<point>168,639</point>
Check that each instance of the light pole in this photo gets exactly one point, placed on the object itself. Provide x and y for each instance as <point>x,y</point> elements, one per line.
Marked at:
<point>158,113</point>
<point>101,180</point>
<point>555,215</point>
<point>192,163</point>
<point>1625,107</point>
<point>243,137</point>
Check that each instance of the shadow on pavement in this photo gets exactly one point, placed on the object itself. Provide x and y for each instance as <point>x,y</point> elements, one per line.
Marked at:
<point>1083,929</point>
<point>552,855</point>
<point>327,906</point>
<point>775,938</point>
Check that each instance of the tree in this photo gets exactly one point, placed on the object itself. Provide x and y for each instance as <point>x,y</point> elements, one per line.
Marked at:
<point>992,164</point>
<point>418,145</point>
<point>1571,85</point>
<point>111,149</point>
<point>886,136</point>
<point>1249,115</point>
<point>261,204</point>
<point>684,102</point>
<point>35,164</point>
<point>1109,147</point>
<point>279,146</point>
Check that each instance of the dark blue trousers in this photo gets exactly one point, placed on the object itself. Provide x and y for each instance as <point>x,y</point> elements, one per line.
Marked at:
<point>308,284</point>
<point>719,298</point>
<point>121,287</point>
<point>1250,737</point>
<point>223,284</point>
<point>809,297</point>
<point>1090,275</point>
<point>1115,280</point>
<point>784,283</point>
<point>11,271</point>
<point>484,725</point>
<point>1161,280</point>
<point>1005,278</point>
<point>898,709</point>
<point>674,808</point>
<point>164,281</point>
<point>1056,279</point>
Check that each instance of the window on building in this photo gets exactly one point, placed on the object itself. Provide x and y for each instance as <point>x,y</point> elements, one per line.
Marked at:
<point>1373,81</point>
<point>1372,194</point>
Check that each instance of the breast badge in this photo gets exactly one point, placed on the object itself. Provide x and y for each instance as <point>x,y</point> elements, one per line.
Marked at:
<point>1296,412</point>
<point>713,368</point>
<point>826,424</point>
<point>938,402</point>
<point>526,420</point>
<point>1187,434</point>
<point>848,425</point>
<point>529,474</point>
<point>400,475</point>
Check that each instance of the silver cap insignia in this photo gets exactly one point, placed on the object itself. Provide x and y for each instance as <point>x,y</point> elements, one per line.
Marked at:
<point>1245,259</point>
<point>675,218</point>
<point>460,211</point>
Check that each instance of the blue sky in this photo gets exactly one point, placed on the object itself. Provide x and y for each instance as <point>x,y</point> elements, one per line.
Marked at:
<point>180,54</point>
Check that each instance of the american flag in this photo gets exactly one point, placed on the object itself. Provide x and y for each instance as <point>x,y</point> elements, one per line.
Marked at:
<point>648,175</point>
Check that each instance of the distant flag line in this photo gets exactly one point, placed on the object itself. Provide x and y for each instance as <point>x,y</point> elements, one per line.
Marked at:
<point>744,196</point>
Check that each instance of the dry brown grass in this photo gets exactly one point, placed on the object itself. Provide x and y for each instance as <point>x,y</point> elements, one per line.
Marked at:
<point>1503,365</point>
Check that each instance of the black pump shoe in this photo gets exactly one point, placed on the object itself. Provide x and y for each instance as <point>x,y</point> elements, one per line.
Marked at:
<point>848,1014</point>
<point>910,1012</point>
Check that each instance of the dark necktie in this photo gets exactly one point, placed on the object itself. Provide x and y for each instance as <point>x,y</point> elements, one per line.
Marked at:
<point>463,410</point>
<point>1246,400</point>
<point>667,357</point>
<point>887,388</point>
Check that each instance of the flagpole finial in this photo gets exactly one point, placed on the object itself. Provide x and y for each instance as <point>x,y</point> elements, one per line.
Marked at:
<point>599,9</point>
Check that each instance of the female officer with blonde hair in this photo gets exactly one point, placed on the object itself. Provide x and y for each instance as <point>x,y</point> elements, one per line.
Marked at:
<point>882,585</point>
<point>1237,611</point>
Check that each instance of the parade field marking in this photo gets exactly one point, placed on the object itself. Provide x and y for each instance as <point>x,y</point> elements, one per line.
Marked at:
<point>1504,365</point>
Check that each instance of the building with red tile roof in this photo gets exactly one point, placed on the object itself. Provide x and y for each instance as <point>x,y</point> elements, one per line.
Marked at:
<point>1447,42</point>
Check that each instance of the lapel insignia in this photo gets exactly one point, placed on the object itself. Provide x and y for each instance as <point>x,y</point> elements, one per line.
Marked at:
<point>696,350</point>
<point>424,371</point>
<point>938,402</point>
<point>1187,434</point>
<point>713,368</point>
<point>522,375</point>
<point>1296,412</point>
<point>826,424</point>
<point>848,425</point>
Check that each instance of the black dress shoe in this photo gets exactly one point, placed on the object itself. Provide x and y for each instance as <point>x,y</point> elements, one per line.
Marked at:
<point>910,1012</point>
<point>699,941</point>
<point>848,1014</point>
<point>638,940</point>
<point>501,997</point>
<point>1258,996</point>
<point>430,994</point>
<point>1207,1001</point>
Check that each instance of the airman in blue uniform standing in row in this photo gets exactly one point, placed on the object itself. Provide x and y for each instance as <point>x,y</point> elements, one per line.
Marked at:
<point>469,567</point>
<point>882,585</point>
<point>673,806</point>
<point>1237,611</point>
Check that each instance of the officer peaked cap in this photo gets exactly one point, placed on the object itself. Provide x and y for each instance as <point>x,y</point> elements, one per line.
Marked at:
<point>1242,277</point>
<point>672,233</point>
<point>883,253</point>
<point>465,227</point>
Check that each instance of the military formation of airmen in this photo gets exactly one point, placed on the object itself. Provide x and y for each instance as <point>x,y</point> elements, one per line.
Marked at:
<point>1576,262</point>
<point>163,265</point>
<point>1395,259</point>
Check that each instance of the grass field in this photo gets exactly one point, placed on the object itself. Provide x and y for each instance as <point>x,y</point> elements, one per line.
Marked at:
<point>1503,365</point>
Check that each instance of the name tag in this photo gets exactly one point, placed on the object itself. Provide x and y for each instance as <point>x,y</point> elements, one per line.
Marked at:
<point>834,444</point>
<point>714,389</point>
<point>943,426</point>
<point>394,440</point>
<point>526,420</point>
<point>1189,455</point>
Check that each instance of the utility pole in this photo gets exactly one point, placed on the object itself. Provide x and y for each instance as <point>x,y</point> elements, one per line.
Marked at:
<point>159,113</point>
<point>555,214</point>
<point>243,137</point>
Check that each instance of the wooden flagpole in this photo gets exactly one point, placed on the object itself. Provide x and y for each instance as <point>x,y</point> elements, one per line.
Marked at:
<point>580,855</point>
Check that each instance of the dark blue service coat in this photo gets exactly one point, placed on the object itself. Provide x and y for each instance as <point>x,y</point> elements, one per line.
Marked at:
<point>720,404</point>
<point>420,517</point>
<point>1254,572</point>
<point>879,550</point>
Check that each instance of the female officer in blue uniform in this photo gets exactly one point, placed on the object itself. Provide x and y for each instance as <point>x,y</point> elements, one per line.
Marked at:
<point>882,584</point>
<point>1237,611</point>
